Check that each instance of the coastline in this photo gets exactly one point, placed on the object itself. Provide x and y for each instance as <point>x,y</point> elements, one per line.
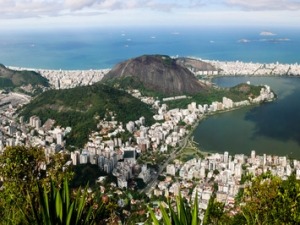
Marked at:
<point>63,79</point>
<point>237,68</point>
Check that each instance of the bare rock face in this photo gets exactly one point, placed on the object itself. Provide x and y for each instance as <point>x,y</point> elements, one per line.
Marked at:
<point>159,73</point>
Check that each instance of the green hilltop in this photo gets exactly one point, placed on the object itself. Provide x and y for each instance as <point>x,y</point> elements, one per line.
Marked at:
<point>29,82</point>
<point>82,107</point>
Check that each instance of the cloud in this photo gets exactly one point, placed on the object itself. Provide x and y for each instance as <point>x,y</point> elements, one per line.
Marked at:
<point>28,8</point>
<point>80,4</point>
<point>34,8</point>
<point>264,5</point>
<point>153,10</point>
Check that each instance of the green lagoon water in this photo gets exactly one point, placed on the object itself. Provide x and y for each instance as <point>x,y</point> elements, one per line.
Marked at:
<point>271,128</point>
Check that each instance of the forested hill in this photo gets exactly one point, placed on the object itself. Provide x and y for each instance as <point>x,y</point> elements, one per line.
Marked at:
<point>15,79</point>
<point>81,108</point>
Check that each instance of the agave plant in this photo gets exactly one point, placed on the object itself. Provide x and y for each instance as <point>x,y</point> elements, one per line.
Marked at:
<point>56,207</point>
<point>183,215</point>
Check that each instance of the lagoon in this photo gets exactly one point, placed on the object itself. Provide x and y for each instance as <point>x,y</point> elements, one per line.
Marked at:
<point>271,128</point>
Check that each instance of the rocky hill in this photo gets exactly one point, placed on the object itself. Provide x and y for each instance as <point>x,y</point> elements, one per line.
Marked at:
<point>158,73</point>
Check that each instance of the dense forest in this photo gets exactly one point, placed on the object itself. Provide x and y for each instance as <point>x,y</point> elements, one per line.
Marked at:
<point>81,108</point>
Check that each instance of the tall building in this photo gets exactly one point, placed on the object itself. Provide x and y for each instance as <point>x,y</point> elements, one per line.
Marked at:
<point>171,169</point>
<point>84,158</point>
<point>101,162</point>
<point>38,123</point>
<point>212,165</point>
<point>227,102</point>
<point>75,157</point>
<point>59,138</point>
<point>264,160</point>
<point>226,155</point>
<point>253,154</point>
<point>231,166</point>
<point>238,170</point>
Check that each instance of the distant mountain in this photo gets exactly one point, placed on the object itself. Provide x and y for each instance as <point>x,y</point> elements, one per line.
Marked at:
<point>26,81</point>
<point>81,108</point>
<point>158,73</point>
<point>195,65</point>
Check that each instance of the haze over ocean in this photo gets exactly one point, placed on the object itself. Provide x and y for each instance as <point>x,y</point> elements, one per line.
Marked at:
<point>99,48</point>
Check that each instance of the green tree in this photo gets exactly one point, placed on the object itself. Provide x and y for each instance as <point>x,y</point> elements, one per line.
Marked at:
<point>214,213</point>
<point>259,199</point>
<point>270,200</point>
<point>21,167</point>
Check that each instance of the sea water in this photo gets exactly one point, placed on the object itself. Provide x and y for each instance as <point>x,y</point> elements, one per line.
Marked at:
<point>98,48</point>
<point>270,128</point>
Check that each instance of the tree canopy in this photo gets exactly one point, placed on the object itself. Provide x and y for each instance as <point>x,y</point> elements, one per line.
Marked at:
<point>81,108</point>
<point>22,169</point>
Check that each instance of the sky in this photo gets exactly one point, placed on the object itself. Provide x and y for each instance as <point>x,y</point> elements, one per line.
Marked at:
<point>107,13</point>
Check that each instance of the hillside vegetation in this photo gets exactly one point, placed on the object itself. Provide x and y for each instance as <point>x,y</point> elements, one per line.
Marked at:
<point>13,79</point>
<point>82,107</point>
<point>237,93</point>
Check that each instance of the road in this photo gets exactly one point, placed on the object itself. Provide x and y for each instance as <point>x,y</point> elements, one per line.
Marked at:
<point>182,144</point>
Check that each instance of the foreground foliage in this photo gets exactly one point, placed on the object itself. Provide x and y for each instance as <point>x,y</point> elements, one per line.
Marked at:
<point>267,199</point>
<point>271,200</point>
<point>21,169</point>
<point>58,207</point>
<point>182,215</point>
<point>30,196</point>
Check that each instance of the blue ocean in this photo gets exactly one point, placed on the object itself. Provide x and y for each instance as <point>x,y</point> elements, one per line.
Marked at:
<point>100,48</point>
<point>238,131</point>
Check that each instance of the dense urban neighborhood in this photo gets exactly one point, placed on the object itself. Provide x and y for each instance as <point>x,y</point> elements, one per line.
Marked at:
<point>160,161</point>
